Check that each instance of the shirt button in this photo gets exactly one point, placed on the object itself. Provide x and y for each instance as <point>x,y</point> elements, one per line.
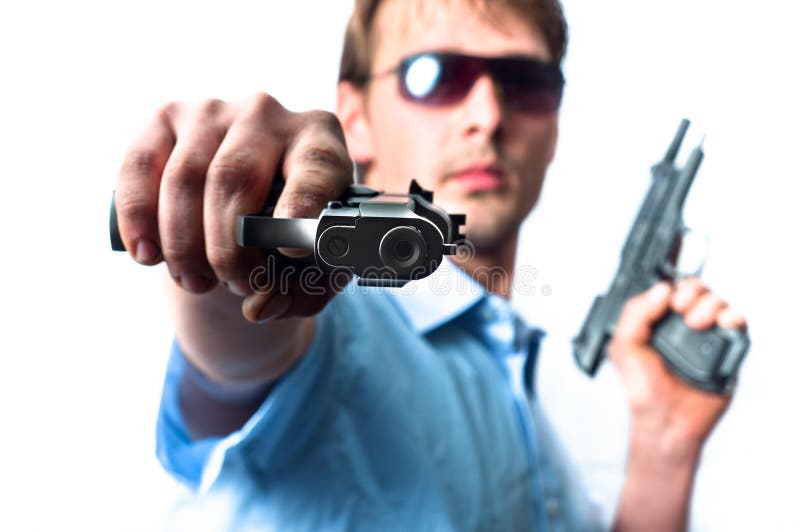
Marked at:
<point>553,507</point>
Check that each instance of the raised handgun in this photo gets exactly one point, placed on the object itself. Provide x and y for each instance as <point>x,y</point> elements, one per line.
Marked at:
<point>708,359</point>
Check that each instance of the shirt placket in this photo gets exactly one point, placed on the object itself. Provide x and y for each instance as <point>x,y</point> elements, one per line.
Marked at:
<point>512,344</point>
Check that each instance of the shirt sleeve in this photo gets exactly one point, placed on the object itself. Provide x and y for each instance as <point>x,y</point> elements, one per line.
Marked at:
<point>178,454</point>
<point>289,411</point>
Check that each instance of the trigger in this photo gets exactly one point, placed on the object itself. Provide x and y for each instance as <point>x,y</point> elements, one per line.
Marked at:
<point>693,254</point>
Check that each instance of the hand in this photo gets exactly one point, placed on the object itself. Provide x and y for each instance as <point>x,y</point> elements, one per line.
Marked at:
<point>669,416</point>
<point>196,167</point>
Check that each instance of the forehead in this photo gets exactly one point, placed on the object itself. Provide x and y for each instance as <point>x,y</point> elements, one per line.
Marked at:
<point>483,27</point>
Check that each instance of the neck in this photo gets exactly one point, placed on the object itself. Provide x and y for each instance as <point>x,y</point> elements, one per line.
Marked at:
<point>493,269</point>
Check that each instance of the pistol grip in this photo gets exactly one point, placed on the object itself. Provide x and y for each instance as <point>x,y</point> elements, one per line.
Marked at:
<point>706,359</point>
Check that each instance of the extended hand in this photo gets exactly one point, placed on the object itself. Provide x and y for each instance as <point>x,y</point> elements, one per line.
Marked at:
<point>196,167</point>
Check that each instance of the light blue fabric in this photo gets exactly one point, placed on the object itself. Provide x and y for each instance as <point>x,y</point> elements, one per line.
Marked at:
<point>413,409</point>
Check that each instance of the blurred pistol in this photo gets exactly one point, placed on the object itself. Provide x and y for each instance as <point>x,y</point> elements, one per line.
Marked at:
<point>707,359</point>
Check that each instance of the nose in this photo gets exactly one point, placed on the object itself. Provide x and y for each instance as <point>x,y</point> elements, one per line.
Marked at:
<point>482,107</point>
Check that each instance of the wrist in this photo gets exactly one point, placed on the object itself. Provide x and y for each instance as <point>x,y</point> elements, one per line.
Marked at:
<point>658,482</point>
<point>665,450</point>
<point>224,392</point>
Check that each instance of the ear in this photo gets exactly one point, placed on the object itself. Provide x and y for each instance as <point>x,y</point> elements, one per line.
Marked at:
<point>351,111</point>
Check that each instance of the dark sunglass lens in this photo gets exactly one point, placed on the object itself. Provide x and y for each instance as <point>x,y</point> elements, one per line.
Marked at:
<point>458,75</point>
<point>537,100</point>
<point>529,85</point>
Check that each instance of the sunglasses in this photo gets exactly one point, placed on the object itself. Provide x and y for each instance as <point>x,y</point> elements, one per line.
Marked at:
<point>442,78</point>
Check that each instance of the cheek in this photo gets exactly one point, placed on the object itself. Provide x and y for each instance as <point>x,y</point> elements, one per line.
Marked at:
<point>405,147</point>
<point>535,152</point>
<point>532,153</point>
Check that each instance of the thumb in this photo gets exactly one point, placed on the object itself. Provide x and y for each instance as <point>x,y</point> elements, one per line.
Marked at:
<point>317,170</point>
<point>640,313</point>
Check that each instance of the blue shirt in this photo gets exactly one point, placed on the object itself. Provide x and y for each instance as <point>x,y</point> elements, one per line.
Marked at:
<point>413,409</point>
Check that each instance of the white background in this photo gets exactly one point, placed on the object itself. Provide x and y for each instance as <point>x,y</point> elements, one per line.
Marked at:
<point>85,332</point>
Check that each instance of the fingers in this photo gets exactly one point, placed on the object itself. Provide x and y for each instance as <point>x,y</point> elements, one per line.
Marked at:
<point>266,306</point>
<point>702,314</point>
<point>238,182</point>
<point>180,217</point>
<point>686,294</point>
<point>702,308</point>
<point>317,167</point>
<point>137,191</point>
<point>728,318</point>
<point>197,168</point>
<point>302,299</point>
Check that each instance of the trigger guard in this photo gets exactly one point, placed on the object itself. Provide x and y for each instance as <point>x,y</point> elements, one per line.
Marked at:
<point>691,259</point>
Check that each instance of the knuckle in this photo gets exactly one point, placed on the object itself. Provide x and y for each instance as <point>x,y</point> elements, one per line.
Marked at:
<point>262,105</point>
<point>709,300</point>
<point>323,157</point>
<point>313,195</point>
<point>182,253</point>
<point>689,285</point>
<point>134,210</point>
<point>168,112</point>
<point>325,120</point>
<point>186,175</point>
<point>325,129</point>
<point>210,108</point>
<point>223,259</point>
<point>141,162</point>
<point>697,286</point>
<point>234,174</point>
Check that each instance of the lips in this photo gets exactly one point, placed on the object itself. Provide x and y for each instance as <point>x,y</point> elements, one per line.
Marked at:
<point>478,178</point>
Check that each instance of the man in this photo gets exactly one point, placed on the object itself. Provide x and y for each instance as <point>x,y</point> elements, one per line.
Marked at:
<point>382,410</point>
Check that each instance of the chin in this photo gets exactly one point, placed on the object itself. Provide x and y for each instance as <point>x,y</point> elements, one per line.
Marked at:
<point>489,230</point>
<point>492,216</point>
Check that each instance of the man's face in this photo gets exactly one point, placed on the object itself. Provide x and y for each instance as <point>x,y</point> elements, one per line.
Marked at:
<point>478,156</point>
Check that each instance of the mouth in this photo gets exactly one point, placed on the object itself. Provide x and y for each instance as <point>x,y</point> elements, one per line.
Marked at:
<point>477,178</point>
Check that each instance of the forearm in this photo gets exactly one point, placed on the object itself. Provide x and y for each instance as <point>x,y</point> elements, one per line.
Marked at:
<point>219,341</point>
<point>658,484</point>
<point>231,361</point>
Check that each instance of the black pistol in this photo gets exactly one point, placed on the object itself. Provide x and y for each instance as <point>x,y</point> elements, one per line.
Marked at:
<point>384,239</point>
<point>707,359</point>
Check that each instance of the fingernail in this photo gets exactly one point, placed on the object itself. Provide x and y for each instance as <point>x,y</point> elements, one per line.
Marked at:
<point>194,282</point>
<point>730,318</point>
<point>146,251</point>
<point>175,276</point>
<point>275,308</point>
<point>240,288</point>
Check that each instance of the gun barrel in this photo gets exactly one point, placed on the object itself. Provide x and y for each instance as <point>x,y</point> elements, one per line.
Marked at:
<point>672,151</point>
<point>695,158</point>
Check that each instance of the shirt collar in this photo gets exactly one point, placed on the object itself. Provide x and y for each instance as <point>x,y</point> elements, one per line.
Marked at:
<point>439,298</point>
